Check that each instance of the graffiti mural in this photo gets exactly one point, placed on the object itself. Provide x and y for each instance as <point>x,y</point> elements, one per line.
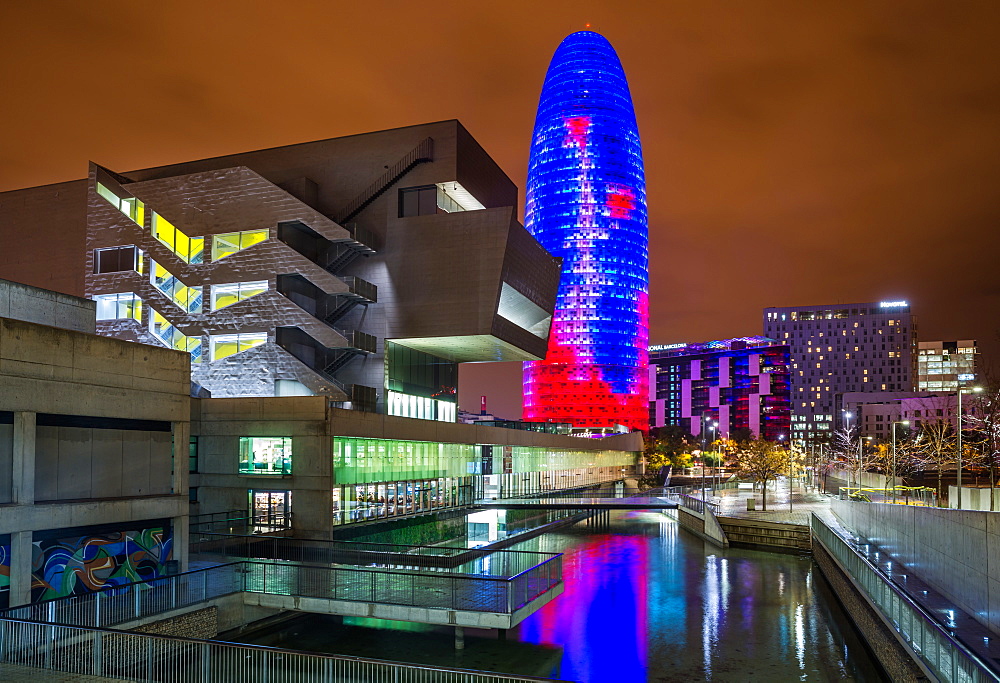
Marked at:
<point>4,571</point>
<point>89,561</point>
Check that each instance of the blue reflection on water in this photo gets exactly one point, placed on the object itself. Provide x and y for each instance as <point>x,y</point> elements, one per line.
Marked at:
<point>651,602</point>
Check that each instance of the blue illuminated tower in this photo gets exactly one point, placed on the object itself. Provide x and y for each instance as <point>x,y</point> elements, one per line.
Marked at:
<point>586,203</point>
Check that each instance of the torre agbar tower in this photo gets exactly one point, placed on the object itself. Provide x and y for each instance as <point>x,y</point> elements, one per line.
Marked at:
<point>586,203</point>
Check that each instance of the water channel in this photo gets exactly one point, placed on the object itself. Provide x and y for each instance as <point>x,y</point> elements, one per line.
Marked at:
<point>644,601</point>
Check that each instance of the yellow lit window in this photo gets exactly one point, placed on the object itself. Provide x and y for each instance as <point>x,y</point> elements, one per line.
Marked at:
<point>130,206</point>
<point>232,242</point>
<point>229,294</point>
<point>225,345</point>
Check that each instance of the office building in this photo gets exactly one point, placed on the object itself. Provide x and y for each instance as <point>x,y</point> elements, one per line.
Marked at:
<point>586,203</point>
<point>835,349</point>
<point>946,365</point>
<point>736,384</point>
<point>338,268</point>
<point>94,437</point>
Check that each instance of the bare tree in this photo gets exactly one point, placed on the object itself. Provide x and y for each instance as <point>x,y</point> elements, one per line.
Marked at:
<point>761,461</point>
<point>935,444</point>
<point>984,422</point>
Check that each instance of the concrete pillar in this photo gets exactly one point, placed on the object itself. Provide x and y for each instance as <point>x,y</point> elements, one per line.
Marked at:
<point>23,483</point>
<point>20,567</point>
<point>459,638</point>
<point>181,469</point>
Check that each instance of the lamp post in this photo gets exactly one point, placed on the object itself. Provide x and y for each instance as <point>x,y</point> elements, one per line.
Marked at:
<point>781,438</point>
<point>847,426</point>
<point>903,422</point>
<point>712,427</point>
<point>960,420</point>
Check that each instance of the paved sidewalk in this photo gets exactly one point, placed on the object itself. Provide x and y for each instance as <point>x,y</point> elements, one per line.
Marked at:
<point>733,503</point>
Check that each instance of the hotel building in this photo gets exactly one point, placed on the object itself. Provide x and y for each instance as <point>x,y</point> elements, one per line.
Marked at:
<point>863,347</point>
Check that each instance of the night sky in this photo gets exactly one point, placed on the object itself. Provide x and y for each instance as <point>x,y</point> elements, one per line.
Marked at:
<point>796,152</point>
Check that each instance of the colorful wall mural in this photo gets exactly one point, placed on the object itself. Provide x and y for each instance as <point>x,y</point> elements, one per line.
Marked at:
<point>4,571</point>
<point>87,559</point>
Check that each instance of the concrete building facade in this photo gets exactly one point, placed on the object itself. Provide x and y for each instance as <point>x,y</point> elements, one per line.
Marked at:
<point>737,383</point>
<point>835,349</point>
<point>90,427</point>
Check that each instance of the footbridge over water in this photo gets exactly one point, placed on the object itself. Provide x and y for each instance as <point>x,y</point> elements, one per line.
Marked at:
<point>647,500</point>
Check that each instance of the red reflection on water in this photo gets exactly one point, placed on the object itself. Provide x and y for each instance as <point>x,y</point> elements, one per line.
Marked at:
<point>608,575</point>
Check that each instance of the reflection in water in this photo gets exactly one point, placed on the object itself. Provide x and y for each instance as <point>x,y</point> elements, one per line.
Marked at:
<point>643,601</point>
<point>649,601</point>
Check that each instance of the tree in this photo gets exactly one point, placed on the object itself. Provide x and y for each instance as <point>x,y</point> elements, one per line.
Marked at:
<point>935,444</point>
<point>984,421</point>
<point>761,461</point>
<point>668,446</point>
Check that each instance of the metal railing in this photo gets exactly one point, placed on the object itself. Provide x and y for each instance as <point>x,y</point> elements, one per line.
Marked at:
<point>28,647</point>
<point>435,590</point>
<point>900,495</point>
<point>499,563</point>
<point>944,655</point>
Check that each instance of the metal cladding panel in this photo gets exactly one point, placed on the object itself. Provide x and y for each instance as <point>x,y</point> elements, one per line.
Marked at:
<point>586,203</point>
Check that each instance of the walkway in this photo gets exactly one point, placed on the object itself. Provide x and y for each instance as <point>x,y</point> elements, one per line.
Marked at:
<point>733,503</point>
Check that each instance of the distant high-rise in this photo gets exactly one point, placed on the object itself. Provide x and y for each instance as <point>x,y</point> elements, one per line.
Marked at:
<point>586,203</point>
<point>835,349</point>
<point>946,365</point>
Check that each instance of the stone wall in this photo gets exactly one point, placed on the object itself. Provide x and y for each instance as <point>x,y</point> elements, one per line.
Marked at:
<point>202,624</point>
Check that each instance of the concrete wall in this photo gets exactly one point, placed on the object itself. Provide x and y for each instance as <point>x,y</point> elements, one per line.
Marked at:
<point>89,427</point>
<point>974,498</point>
<point>34,305</point>
<point>955,551</point>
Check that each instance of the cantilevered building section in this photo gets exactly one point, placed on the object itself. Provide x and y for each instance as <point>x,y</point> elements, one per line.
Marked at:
<point>362,268</point>
<point>586,203</point>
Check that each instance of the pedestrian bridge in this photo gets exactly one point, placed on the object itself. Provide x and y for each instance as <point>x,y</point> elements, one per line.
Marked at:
<point>456,598</point>
<point>640,502</point>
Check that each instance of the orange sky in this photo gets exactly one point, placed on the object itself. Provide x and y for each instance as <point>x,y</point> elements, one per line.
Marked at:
<point>796,152</point>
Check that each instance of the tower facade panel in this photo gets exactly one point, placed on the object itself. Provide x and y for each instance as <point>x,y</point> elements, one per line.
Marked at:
<point>586,203</point>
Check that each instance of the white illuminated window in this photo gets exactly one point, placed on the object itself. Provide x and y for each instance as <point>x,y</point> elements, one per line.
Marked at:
<point>118,306</point>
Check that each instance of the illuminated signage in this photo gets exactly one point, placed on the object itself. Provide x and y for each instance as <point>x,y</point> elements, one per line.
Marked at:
<point>666,347</point>
<point>893,304</point>
<point>966,377</point>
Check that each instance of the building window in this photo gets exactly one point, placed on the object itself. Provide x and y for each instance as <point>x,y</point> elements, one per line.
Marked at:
<point>117,260</point>
<point>265,455</point>
<point>118,306</point>
<point>186,298</point>
<point>229,294</point>
<point>270,510</point>
<point>193,454</point>
<point>418,201</point>
<point>232,242</point>
<point>189,249</point>
<point>224,345</point>
<point>193,494</point>
<point>130,206</point>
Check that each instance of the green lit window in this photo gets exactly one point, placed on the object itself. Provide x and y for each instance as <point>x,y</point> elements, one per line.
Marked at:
<point>119,306</point>
<point>265,455</point>
<point>229,294</point>
<point>130,206</point>
<point>224,345</point>
<point>232,242</point>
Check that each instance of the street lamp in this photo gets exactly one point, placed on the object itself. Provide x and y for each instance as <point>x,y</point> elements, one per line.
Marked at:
<point>960,420</point>
<point>847,426</point>
<point>711,426</point>
<point>902,422</point>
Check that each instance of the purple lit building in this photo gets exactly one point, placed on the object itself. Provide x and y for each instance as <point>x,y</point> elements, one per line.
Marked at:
<point>738,383</point>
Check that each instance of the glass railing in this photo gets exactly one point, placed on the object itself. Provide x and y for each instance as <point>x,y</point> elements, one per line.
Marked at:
<point>188,299</point>
<point>937,648</point>
<point>173,338</point>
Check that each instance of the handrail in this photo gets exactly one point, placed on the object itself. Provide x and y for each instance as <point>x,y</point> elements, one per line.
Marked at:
<point>424,151</point>
<point>266,650</point>
<point>821,529</point>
